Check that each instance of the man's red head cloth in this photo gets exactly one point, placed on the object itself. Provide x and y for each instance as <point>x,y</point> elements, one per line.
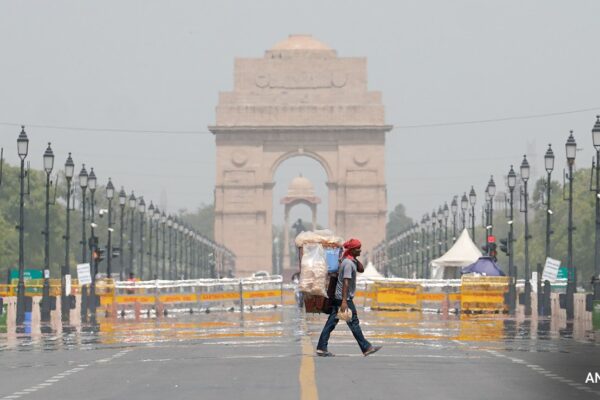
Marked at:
<point>349,246</point>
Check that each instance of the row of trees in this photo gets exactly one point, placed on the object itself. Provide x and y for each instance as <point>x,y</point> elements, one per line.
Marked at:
<point>201,220</point>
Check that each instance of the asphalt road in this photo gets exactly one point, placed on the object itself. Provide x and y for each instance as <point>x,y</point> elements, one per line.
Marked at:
<point>269,354</point>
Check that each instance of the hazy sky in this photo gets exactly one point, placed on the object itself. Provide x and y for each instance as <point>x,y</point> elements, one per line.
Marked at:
<point>159,65</point>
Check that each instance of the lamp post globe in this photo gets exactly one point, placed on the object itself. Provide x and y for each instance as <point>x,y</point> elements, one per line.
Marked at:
<point>549,159</point>
<point>48,159</point>
<point>596,134</point>
<point>22,144</point>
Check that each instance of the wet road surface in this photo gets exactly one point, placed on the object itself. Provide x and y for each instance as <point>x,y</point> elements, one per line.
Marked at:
<point>269,354</point>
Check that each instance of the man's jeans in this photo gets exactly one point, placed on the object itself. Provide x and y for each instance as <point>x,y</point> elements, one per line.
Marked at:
<point>353,324</point>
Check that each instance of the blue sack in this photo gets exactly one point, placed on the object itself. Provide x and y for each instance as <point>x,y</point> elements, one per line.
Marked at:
<point>332,257</point>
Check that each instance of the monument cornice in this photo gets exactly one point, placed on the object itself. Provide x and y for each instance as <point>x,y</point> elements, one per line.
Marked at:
<point>218,129</point>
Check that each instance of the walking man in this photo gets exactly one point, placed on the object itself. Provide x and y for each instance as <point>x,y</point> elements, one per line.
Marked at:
<point>344,293</point>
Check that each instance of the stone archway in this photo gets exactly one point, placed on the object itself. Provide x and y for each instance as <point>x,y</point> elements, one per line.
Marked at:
<point>300,99</point>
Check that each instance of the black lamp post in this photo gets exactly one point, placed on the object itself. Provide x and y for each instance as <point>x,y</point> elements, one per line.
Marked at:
<point>48,167</point>
<point>132,205</point>
<point>22,149</point>
<point>549,165</point>
<point>181,248</point>
<point>525,170</point>
<point>83,184</point>
<point>454,210</point>
<point>65,270</point>
<point>170,228</point>
<point>110,194</point>
<point>427,247</point>
<point>596,169</point>
<point>163,222</point>
<point>491,190</point>
<point>464,205</point>
<point>175,270</point>
<point>571,149</point>
<point>142,211</point>
<point>122,201</point>
<point>440,218</point>
<point>150,225</point>
<point>446,215</point>
<point>433,238</point>
<point>93,247</point>
<point>512,292</point>
<point>155,218</point>
<point>472,201</point>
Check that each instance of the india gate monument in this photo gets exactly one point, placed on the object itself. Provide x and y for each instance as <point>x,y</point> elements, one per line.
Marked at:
<point>300,99</point>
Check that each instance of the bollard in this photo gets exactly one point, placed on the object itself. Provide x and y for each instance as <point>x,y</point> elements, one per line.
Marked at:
<point>540,307</point>
<point>547,311</point>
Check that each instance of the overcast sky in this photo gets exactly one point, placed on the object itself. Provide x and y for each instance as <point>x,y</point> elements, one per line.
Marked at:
<point>159,65</point>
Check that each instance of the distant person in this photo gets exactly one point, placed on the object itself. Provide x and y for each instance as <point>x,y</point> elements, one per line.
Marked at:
<point>344,293</point>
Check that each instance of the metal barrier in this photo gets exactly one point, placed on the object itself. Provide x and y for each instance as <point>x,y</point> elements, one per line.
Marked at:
<point>195,295</point>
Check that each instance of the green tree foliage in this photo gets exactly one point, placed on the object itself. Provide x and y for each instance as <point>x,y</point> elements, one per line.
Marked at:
<point>583,220</point>
<point>398,222</point>
<point>203,220</point>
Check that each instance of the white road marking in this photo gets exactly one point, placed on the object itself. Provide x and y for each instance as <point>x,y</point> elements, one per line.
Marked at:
<point>56,378</point>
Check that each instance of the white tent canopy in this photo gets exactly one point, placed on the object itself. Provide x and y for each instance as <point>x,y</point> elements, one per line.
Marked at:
<point>370,272</point>
<point>464,252</point>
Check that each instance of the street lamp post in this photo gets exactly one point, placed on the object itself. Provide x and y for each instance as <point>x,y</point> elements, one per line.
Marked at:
<point>446,215</point>
<point>491,190</point>
<point>22,148</point>
<point>122,201</point>
<point>156,218</point>
<point>150,225</point>
<point>170,227</point>
<point>48,166</point>
<point>132,204</point>
<point>549,165</point>
<point>512,182</point>
<point>464,205</point>
<point>525,178</point>
<point>434,239</point>
<point>93,247</point>
<point>174,269</point>
<point>571,149</point>
<point>454,210</point>
<point>440,219</point>
<point>163,222</point>
<point>472,201</point>
<point>83,184</point>
<point>65,270</point>
<point>181,248</point>
<point>142,211</point>
<point>110,193</point>
<point>596,168</point>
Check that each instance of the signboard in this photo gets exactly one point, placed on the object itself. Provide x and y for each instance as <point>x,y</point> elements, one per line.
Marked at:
<point>563,273</point>
<point>550,270</point>
<point>83,274</point>
<point>68,285</point>
<point>27,274</point>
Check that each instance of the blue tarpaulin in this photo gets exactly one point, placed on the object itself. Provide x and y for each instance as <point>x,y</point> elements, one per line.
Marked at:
<point>485,266</point>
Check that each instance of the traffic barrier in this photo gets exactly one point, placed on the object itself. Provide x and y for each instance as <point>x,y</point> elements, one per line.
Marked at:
<point>396,295</point>
<point>483,294</point>
<point>195,295</point>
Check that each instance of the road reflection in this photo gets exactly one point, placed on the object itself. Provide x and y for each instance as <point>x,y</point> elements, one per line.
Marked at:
<point>284,324</point>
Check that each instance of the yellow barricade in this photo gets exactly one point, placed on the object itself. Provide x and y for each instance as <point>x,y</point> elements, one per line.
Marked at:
<point>483,293</point>
<point>396,296</point>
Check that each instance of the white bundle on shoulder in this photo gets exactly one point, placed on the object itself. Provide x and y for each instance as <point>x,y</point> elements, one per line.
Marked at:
<point>313,274</point>
<point>324,237</point>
